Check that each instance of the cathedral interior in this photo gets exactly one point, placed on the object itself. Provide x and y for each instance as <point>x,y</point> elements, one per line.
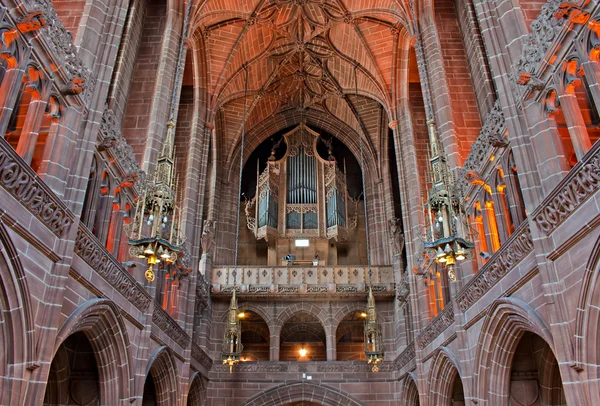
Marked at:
<point>299,202</point>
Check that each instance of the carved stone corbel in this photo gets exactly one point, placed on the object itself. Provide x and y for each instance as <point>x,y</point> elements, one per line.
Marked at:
<point>74,87</point>
<point>32,21</point>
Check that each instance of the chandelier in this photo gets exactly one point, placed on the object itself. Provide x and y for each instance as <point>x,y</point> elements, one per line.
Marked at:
<point>155,233</point>
<point>373,341</point>
<point>373,344</point>
<point>232,341</point>
<point>446,222</point>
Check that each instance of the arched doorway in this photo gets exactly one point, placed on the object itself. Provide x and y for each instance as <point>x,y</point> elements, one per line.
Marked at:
<point>534,374</point>
<point>255,337</point>
<point>74,377</point>
<point>350,337</point>
<point>303,339</point>
<point>160,387</point>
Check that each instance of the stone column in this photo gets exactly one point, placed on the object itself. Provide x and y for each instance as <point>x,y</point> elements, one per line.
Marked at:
<point>575,124</point>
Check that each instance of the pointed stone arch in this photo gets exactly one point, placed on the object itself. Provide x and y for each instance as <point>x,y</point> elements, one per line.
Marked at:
<point>587,337</point>
<point>163,368</point>
<point>445,369</point>
<point>409,391</point>
<point>17,346</point>
<point>101,321</point>
<point>301,391</point>
<point>197,390</point>
<point>508,319</point>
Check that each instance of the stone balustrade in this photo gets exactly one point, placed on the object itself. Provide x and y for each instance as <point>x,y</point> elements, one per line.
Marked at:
<point>308,280</point>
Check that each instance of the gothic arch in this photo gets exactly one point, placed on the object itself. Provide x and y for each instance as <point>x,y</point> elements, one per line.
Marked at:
<point>163,368</point>
<point>444,370</point>
<point>346,310</point>
<point>197,389</point>
<point>587,339</point>
<point>294,309</point>
<point>410,391</point>
<point>101,321</point>
<point>508,319</point>
<point>300,391</point>
<point>17,347</point>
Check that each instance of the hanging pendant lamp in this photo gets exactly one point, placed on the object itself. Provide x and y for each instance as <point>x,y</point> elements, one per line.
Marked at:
<point>232,340</point>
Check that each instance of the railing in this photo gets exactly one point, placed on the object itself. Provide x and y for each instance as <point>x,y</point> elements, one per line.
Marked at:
<point>405,357</point>
<point>315,279</point>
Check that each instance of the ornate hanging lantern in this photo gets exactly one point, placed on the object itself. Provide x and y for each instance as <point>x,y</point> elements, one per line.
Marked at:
<point>446,218</point>
<point>232,341</point>
<point>373,345</point>
<point>155,230</point>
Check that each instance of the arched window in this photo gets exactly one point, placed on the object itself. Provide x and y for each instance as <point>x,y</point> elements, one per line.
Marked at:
<point>90,202</point>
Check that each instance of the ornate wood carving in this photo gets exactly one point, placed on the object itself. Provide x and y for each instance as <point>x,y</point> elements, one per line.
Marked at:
<point>581,183</point>
<point>95,255</point>
<point>510,254</point>
<point>25,185</point>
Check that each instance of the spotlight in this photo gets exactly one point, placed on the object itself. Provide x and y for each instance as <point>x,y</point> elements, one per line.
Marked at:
<point>303,352</point>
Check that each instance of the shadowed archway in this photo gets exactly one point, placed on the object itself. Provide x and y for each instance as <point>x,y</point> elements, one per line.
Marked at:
<point>318,394</point>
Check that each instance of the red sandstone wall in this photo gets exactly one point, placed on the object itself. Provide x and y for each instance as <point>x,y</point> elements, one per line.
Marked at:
<point>139,102</point>
<point>70,12</point>
<point>464,102</point>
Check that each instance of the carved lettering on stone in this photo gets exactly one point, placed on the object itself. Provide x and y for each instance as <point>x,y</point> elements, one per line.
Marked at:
<point>95,255</point>
<point>564,200</point>
<point>24,184</point>
<point>169,326</point>
<point>436,327</point>
<point>510,254</point>
<point>199,355</point>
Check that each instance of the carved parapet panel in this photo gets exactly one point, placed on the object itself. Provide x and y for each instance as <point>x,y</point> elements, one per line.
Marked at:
<point>24,184</point>
<point>405,357</point>
<point>581,183</point>
<point>518,246</point>
<point>254,367</point>
<point>169,326</point>
<point>201,357</point>
<point>353,367</point>
<point>95,255</point>
<point>436,327</point>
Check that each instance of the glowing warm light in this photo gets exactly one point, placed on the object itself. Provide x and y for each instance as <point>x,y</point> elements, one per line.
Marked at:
<point>303,352</point>
<point>363,314</point>
<point>241,315</point>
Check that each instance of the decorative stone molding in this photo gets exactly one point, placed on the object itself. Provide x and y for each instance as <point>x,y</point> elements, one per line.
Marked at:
<point>203,289</point>
<point>254,367</point>
<point>95,255</point>
<point>436,327</point>
<point>353,367</point>
<point>169,326</point>
<point>201,357</point>
<point>492,135</point>
<point>580,183</point>
<point>510,254</point>
<point>111,138</point>
<point>545,29</point>
<point>24,184</point>
<point>61,42</point>
<point>405,357</point>
<point>396,235</point>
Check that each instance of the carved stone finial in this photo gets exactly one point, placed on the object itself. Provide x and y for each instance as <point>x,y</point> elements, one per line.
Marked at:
<point>107,143</point>
<point>473,178</point>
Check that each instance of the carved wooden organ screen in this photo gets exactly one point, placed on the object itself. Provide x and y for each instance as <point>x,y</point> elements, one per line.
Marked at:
<point>314,198</point>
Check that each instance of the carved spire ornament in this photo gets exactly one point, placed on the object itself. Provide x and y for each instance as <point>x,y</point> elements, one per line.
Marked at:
<point>232,340</point>
<point>373,345</point>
